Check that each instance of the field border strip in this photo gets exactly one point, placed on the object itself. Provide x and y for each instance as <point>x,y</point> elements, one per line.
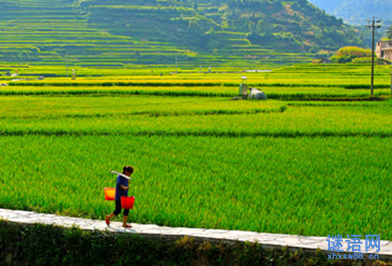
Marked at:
<point>310,244</point>
<point>220,134</point>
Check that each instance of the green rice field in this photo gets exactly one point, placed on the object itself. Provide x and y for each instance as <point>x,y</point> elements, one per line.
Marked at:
<point>311,160</point>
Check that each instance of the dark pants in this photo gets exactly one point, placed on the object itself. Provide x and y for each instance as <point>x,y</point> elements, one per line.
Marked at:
<point>119,208</point>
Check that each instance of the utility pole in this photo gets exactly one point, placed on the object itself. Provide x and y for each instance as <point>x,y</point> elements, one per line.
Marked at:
<point>374,24</point>
<point>176,63</point>
<point>391,75</point>
<point>388,31</point>
<point>66,58</point>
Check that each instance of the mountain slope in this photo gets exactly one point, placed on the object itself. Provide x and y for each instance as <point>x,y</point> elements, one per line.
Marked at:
<point>297,26</point>
<point>114,33</point>
<point>355,12</point>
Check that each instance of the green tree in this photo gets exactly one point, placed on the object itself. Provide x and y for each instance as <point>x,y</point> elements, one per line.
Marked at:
<point>347,54</point>
<point>195,6</point>
<point>250,25</point>
<point>263,27</point>
<point>210,40</point>
<point>193,25</point>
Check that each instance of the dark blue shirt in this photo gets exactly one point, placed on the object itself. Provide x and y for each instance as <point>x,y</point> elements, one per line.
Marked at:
<point>121,181</point>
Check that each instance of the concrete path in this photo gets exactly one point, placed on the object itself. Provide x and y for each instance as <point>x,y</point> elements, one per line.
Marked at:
<point>293,242</point>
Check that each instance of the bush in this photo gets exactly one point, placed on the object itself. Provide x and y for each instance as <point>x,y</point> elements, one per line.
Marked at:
<point>347,54</point>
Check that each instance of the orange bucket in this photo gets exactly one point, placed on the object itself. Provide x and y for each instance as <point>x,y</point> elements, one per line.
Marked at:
<point>127,202</point>
<point>109,193</point>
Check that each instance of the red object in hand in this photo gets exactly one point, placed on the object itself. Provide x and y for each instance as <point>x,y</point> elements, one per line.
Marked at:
<point>109,193</point>
<point>127,202</point>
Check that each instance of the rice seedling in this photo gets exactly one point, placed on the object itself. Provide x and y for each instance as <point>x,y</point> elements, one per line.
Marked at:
<point>308,186</point>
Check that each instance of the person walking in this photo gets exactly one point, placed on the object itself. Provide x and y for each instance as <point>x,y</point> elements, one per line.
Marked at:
<point>122,187</point>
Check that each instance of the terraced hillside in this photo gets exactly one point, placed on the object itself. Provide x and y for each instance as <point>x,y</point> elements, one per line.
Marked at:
<point>51,32</point>
<point>119,33</point>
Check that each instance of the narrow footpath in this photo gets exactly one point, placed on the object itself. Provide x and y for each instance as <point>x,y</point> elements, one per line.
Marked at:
<point>292,242</point>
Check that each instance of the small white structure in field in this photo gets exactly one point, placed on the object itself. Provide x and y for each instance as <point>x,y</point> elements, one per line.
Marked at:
<point>243,87</point>
<point>256,94</point>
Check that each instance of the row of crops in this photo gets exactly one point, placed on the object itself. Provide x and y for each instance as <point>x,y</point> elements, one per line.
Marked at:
<point>304,77</point>
<point>135,115</point>
<point>210,116</point>
<point>296,166</point>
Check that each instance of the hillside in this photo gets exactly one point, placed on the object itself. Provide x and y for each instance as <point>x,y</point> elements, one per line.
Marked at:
<point>355,12</point>
<point>118,33</point>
